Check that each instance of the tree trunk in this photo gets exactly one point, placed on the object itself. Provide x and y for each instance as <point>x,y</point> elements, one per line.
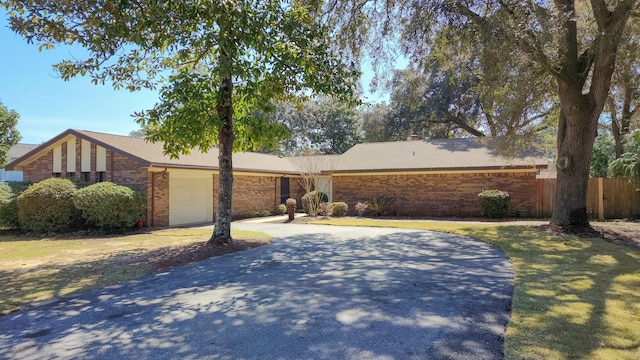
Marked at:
<point>579,111</point>
<point>222,231</point>
<point>575,147</point>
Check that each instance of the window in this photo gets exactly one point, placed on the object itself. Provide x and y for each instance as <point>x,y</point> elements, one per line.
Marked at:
<point>57,174</point>
<point>71,175</point>
<point>86,176</point>
<point>101,175</point>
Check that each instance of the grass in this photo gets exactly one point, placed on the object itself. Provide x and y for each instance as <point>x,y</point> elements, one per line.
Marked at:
<point>573,298</point>
<point>39,269</point>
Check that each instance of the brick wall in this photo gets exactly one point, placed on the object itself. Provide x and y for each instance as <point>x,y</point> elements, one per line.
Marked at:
<point>158,199</point>
<point>438,194</point>
<point>125,171</point>
<point>254,193</point>
<point>39,169</point>
<point>296,190</point>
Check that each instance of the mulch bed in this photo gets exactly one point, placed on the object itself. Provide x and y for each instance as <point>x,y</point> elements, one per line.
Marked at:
<point>178,256</point>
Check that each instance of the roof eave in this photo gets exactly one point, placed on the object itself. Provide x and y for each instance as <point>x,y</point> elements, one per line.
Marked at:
<point>444,169</point>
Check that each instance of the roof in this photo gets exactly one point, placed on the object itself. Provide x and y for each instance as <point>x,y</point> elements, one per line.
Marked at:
<point>19,150</point>
<point>431,155</point>
<point>148,154</point>
<point>399,156</point>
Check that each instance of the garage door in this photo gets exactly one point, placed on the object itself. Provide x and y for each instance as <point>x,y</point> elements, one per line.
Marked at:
<point>190,198</point>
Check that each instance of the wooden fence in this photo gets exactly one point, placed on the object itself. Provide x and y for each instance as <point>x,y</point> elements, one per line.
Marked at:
<point>606,198</point>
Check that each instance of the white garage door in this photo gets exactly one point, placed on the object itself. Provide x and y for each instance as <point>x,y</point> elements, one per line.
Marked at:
<point>190,198</point>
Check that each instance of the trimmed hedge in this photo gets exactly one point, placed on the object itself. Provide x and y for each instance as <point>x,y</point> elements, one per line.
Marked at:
<point>494,203</point>
<point>9,203</point>
<point>47,207</point>
<point>110,206</point>
<point>315,198</point>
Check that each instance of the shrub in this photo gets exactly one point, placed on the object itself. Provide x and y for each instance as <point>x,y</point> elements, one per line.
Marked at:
<point>281,209</point>
<point>311,202</point>
<point>361,208</point>
<point>9,203</point>
<point>291,208</point>
<point>110,206</point>
<point>252,213</point>
<point>47,207</point>
<point>290,203</point>
<point>338,209</point>
<point>264,213</point>
<point>494,203</point>
<point>379,205</point>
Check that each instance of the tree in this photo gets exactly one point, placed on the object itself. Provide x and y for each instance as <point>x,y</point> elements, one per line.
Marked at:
<point>574,42</point>
<point>628,165</point>
<point>9,135</point>
<point>435,105</point>
<point>625,92</point>
<point>461,88</point>
<point>219,65</point>
<point>140,133</point>
<point>603,155</point>
<point>372,122</point>
<point>325,124</point>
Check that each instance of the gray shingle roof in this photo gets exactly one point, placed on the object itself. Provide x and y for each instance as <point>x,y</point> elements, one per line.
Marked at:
<point>440,154</point>
<point>416,155</point>
<point>19,150</point>
<point>152,154</point>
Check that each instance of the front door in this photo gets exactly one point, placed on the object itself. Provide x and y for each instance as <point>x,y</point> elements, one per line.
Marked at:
<point>284,190</point>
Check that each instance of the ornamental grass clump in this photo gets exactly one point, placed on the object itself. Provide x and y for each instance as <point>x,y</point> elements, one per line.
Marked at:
<point>379,205</point>
<point>494,203</point>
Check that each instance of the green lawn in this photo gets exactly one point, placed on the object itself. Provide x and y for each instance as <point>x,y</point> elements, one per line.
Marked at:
<point>573,299</point>
<point>39,269</point>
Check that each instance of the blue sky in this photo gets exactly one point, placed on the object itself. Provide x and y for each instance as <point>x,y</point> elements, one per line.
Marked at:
<point>48,105</point>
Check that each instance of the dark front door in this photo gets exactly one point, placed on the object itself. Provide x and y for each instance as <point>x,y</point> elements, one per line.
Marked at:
<point>284,190</point>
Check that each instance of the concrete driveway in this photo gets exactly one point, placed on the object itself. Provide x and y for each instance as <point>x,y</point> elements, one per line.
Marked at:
<point>317,292</point>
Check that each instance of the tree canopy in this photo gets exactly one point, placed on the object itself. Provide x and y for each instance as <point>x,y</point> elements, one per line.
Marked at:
<point>9,135</point>
<point>575,43</point>
<point>325,125</point>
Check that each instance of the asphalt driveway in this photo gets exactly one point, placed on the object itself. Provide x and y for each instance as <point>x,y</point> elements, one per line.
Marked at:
<point>317,292</point>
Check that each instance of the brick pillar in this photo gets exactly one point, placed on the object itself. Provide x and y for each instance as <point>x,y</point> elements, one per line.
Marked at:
<point>157,199</point>
<point>92,175</point>
<point>63,166</point>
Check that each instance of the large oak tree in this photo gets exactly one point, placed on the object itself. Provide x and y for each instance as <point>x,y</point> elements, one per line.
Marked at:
<point>575,42</point>
<point>219,63</point>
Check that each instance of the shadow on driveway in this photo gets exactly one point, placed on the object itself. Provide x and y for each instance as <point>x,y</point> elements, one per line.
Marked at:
<point>383,294</point>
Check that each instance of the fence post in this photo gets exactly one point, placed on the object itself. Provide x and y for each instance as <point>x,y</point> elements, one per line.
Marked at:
<point>601,198</point>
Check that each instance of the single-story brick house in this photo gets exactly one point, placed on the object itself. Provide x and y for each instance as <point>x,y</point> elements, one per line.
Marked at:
<point>423,177</point>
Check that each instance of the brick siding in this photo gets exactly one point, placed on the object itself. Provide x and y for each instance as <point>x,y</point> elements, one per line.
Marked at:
<point>254,193</point>
<point>39,169</point>
<point>438,194</point>
<point>158,199</point>
<point>125,171</point>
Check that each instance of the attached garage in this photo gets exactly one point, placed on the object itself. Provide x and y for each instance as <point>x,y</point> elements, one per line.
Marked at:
<point>190,197</point>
